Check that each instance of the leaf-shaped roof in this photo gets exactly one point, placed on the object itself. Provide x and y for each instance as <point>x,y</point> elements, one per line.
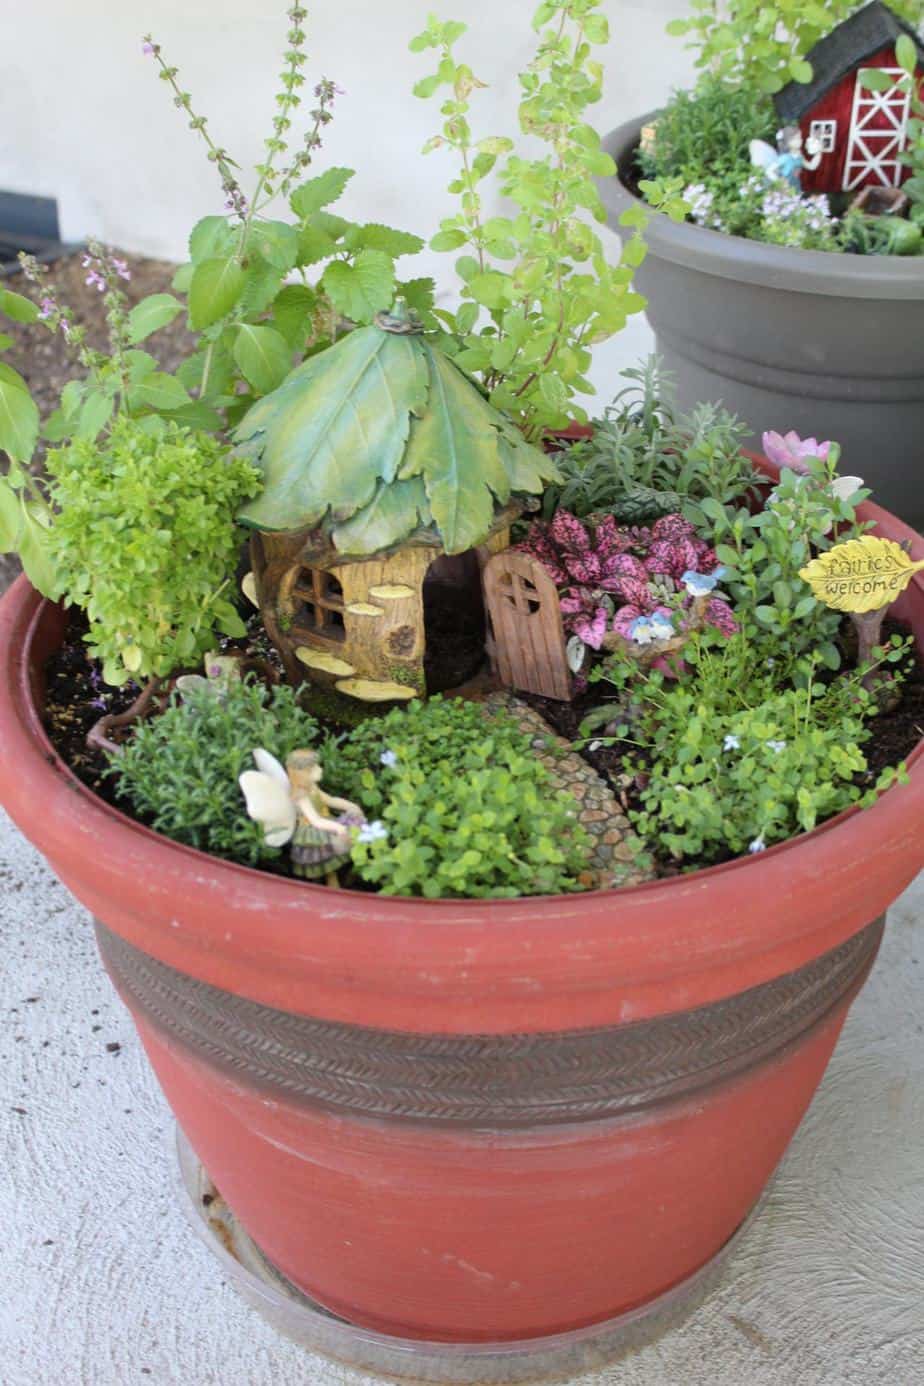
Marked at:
<point>382,435</point>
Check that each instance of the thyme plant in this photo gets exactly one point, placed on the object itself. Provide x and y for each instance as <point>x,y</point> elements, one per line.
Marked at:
<point>180,769</point>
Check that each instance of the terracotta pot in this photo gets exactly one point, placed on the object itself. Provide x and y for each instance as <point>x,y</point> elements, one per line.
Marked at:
<point>831,345</point>
<point>474,1121</point>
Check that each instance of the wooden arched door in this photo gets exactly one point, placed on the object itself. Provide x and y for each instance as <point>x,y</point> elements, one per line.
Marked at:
<point>526,627</point>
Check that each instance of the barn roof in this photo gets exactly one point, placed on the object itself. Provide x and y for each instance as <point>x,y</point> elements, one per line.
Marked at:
<point>845,48</point>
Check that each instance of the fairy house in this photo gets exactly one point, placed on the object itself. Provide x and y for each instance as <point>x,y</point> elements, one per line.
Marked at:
<point>389,480</point>
<point>861,134</point>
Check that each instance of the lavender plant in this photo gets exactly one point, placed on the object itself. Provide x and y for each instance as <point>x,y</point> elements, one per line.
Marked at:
<point>537,290</point>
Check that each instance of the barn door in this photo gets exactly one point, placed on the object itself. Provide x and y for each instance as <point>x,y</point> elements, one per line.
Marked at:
<point>528,639</point>
<point>878,132</point>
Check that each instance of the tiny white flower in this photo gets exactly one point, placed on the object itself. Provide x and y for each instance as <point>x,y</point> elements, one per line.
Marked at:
<point>372,832</point>
<point>777,746</point>
<point>731,743</point>
<point>843,487</point>
<point>389,759</point>
<point>758,845</point>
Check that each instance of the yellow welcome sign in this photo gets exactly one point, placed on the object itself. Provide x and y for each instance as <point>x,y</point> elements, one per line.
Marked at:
<point>861,575</point>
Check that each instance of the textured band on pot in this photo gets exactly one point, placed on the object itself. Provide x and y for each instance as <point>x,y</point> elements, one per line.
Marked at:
<point>766,374</point>
<point>485,1080</point>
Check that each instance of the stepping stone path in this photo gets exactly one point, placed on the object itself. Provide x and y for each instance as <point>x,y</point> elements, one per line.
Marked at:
<point>619,857</point>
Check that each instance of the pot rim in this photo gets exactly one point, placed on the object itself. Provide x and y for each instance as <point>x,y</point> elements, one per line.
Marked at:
<point>866,511</point>
<point>832,274</point>
<point>536,963</point>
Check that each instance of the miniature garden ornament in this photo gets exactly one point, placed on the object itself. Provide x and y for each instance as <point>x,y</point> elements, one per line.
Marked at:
<point>793,153</point>
<point>862,577</point>
<point>219,671</point>
<point>290,805</point>
<point>378,455</point>
<point>857,136</point>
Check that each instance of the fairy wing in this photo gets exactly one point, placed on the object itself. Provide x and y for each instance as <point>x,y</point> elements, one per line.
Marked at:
<point>269,803</point>
<point>763,155</point>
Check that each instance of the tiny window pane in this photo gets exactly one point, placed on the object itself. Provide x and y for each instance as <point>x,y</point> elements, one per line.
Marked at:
<point>825,132</point>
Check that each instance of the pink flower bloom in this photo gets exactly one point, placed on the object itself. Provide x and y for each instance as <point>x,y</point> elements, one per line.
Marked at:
<point>95,280</point>
<point>48,308</point>
<point>121,268</point>
<point>148,48</point>
<point>789,450</point>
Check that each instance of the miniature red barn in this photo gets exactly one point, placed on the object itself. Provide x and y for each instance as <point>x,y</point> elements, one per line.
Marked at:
<point>862,133</point>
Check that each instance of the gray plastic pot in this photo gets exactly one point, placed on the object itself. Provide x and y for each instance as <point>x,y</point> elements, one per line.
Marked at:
<point>830,345</point>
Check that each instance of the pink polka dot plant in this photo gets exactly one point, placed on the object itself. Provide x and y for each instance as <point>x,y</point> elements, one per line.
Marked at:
<point>621,585</point>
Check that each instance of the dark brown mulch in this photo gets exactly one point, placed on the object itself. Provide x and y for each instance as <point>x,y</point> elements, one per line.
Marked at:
<point>45,361</point>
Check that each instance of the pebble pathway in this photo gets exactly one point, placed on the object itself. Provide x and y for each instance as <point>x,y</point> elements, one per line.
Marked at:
<point>619,857</point>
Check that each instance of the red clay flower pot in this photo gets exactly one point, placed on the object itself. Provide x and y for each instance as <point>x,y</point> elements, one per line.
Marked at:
<point>474,1121</point>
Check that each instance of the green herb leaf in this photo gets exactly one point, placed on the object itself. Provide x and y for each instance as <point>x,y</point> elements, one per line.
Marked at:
<point>17,307</point>
<point>319,192</point>
<point>19,418</point>
<point>151,314</point>
<point>263,355</point>
<point>363,288</point>
<point>160,392</point>
<point>216,286</point>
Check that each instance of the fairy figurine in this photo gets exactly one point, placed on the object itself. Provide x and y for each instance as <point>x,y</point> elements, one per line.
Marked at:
<point>792,154</point>
<point>291,806</point>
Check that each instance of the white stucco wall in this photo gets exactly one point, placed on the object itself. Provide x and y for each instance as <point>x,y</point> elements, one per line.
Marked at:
<point>86,120</point>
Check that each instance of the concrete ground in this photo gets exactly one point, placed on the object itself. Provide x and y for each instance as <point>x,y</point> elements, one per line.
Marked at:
<point>102,1283</point>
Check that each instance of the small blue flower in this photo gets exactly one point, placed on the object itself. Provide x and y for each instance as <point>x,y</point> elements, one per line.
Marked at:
<point>758,845</point>
<point>641,630</point>
<point>389,758</point>
<point>662,627</point>
<point>777,746</point>
<point>701,584</point>
<point>645,629</point>
<point>372,832</point>
<point>731,743</point>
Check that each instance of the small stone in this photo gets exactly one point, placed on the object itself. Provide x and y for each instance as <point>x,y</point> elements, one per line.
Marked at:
<point>626,851</point>
<point>594,816</point>
<point>613,837</point>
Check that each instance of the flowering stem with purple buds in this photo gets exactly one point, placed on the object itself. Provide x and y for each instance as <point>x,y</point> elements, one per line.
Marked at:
<point>218,156</point>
